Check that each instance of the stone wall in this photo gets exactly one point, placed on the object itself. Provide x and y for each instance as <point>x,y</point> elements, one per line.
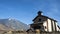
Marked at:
<point>23,32</point>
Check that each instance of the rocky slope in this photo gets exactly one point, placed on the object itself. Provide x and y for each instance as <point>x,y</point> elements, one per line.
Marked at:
<point>12,24</point>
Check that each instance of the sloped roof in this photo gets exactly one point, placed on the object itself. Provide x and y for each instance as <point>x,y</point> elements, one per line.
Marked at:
<point>45,17</point>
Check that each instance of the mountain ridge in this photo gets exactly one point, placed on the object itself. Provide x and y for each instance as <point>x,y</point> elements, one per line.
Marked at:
<point>13,24</point>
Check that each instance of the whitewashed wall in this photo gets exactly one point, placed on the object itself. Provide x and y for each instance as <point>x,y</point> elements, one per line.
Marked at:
<point>57,27</point>
<point>53,26</point>
<point>45,25</point>
<point>49,25</point>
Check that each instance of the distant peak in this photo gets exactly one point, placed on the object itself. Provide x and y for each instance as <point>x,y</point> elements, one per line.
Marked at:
<point>11,19</point>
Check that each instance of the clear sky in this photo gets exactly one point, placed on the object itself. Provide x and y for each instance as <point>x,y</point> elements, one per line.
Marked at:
<point>26,10</point>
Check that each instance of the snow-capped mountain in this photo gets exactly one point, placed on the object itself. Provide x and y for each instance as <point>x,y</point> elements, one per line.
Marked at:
<point>12,24</point>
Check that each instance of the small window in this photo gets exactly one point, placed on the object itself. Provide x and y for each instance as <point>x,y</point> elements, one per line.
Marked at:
<point>45,27</point>
<point>39,20</point>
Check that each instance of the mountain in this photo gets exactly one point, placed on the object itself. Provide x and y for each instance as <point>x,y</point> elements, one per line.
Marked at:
<point>12,24</point>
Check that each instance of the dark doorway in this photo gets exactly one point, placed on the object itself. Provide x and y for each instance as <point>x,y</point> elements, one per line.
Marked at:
<point>37,27</point>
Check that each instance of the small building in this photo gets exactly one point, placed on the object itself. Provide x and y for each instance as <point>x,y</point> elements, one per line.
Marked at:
<point>44,23</point>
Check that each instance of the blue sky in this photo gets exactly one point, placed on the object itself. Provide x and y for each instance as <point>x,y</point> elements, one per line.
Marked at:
<point>26,10</point>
